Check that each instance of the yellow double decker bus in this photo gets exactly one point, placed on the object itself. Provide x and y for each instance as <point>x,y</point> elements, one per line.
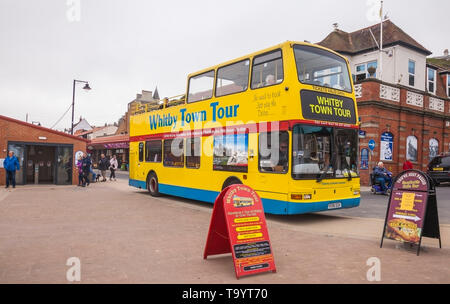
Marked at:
<point>282,121</point>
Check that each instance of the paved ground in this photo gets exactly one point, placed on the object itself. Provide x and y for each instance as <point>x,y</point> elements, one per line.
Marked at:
<point>122,235</point>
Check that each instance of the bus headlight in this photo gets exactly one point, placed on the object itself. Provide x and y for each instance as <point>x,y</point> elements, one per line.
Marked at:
<point>356,192</point>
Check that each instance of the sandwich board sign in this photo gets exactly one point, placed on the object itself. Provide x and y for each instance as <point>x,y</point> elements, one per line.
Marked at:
<point>412,210</point>
<point>238,225</point>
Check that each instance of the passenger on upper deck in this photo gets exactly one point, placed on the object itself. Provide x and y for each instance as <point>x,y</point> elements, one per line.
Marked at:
<point>270,80</point>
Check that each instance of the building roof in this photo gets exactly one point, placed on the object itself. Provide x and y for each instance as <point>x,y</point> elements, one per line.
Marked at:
<point>443,63</point>
<point>42,128</point>
<point>362,40</point>
<point>111,139</point>
<point>156,94</point>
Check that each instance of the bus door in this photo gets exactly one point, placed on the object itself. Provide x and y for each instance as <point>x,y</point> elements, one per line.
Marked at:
<point>273,165</point>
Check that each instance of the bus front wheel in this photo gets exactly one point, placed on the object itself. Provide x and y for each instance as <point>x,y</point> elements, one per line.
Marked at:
<point>231,181</point>
<point>152,184</point>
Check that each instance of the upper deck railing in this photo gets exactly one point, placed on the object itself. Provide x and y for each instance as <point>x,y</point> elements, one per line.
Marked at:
<point>162,104</point>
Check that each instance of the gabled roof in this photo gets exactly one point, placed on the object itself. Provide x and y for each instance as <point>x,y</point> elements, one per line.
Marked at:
<point>362,40</point>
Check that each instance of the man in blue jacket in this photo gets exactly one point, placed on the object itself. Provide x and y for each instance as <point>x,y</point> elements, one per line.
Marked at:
<point>383,176</point>
<point>11,164</point>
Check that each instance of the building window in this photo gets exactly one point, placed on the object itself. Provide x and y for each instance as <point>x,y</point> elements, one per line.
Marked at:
<point>411,72</point>
<point>434,148</point>
<point>366,70</point>
<point>448,85</point>
<point>411,148</point>
<point>232,78</point>
<point>431,80</point>
<point>274,152</point>
<point>153,151</point>
<point>193,152</point>
<point>173,152</point>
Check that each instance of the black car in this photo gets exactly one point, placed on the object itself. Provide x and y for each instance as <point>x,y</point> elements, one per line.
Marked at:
<point>439,169</point>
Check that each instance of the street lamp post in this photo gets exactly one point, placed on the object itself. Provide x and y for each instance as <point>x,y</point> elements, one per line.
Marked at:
<point>86,87</point>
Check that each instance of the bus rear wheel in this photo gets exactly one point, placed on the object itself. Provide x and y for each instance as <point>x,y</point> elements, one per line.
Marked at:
<point>152,184</point>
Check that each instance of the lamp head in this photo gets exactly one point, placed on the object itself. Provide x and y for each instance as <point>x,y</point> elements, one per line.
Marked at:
<point>86,87</point>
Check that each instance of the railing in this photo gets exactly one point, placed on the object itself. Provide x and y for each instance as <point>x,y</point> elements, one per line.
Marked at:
<point>161,104</point>
<point>375,90</point>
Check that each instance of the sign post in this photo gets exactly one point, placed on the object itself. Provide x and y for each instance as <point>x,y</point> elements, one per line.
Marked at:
<point>412,210</point>
<point>238,225</point>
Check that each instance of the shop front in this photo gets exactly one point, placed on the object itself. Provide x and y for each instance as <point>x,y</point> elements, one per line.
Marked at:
<point>45,156</point>
<point>117,145</point>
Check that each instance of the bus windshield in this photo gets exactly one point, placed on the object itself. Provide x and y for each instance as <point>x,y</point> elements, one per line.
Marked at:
<point>324,152</point>
<point>322,68</point>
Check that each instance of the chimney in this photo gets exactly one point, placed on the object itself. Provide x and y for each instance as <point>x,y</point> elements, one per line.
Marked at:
<point>446,52</point>
<point>335,26</point>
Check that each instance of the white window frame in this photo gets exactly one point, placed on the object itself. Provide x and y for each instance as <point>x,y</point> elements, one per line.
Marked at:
<point>448,85</point>
<point>365,71</point>
<point>429,81</point>
<point>410,74</point>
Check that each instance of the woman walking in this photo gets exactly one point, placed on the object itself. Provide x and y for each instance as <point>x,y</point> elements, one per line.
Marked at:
<point>113,167</point>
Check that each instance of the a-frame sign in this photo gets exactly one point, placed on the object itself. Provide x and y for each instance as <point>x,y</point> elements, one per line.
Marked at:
<point>412,210</point>
<point>238,225</point>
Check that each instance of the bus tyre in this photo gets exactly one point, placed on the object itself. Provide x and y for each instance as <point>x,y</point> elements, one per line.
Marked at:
<point>152,184</point>
<point>231,181</point>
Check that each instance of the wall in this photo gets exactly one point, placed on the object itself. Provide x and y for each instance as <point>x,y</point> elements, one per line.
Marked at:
<point>380,115</point>
<point>395,67</point>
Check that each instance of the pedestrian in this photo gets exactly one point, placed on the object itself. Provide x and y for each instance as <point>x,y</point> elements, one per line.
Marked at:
<point>11,164</point>
<point>103,165</point>
<point>407,165</point>
<point>80,171</point>
<point>86,165</point>
<point>91,170</point>
<point>113,167</point>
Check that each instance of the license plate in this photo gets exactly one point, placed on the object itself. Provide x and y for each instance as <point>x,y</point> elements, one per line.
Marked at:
<point>334,205</point>
<point>438,169</point>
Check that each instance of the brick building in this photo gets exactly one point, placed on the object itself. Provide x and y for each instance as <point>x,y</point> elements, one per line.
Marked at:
<point>403,104</point>
<point>46,156</point>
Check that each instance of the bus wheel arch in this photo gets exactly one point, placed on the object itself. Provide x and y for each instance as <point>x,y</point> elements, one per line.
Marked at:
<point>232,180</point>
<point>152,183</point>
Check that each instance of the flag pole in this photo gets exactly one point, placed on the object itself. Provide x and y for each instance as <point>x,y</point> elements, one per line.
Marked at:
<point>381,42</point>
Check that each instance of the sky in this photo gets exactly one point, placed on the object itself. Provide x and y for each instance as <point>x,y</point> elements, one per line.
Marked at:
<point>123,47</point>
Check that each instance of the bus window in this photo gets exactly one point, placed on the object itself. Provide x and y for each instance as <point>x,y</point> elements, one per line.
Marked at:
<point>153,151</point>
<point>322,68</point>
<point>274,152</point>
<point>347,152</point>
<point>232,78</point>
<point>231,153</point>
<point>311,155</point>
<point>267,70</point>
<point>201,87</point>
<point>173,152</point>
<point>141,152</point>
<point>193,152</point>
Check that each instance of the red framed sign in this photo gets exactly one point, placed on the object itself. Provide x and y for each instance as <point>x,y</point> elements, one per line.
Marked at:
<point>238,225</point>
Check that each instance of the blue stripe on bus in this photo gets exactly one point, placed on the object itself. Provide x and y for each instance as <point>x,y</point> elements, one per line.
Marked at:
<point>191,193</point>
<point>137,183</point>
<point>270,205</point>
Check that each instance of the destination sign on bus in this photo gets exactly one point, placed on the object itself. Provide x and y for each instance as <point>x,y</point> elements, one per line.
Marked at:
<point>327,107</point>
